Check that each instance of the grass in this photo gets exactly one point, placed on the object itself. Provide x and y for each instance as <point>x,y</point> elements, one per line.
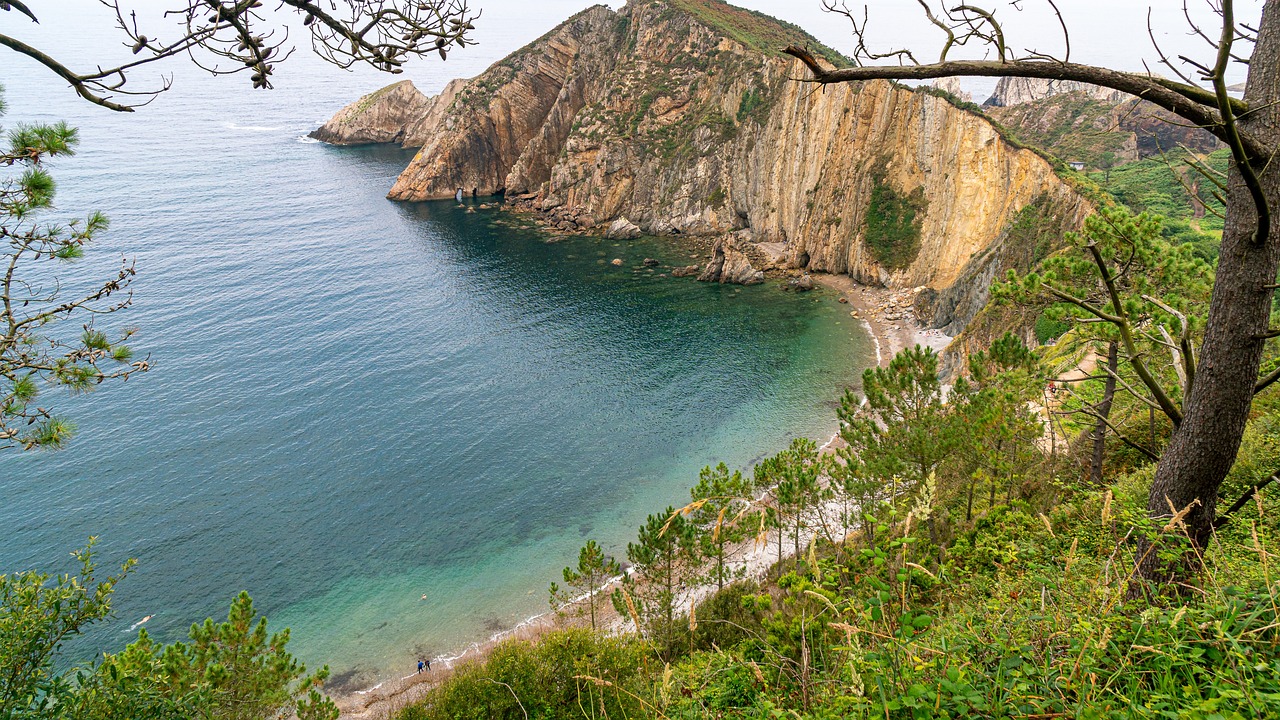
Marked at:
<point>755,30</point>
<point>1162,185</point>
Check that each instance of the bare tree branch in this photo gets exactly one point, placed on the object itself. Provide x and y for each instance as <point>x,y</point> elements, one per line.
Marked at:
<point>1193,103</point>
<point>381,33</point>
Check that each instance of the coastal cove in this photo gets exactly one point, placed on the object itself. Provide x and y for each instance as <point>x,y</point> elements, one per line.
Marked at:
<point>358,402</point>
<point>638,359</point>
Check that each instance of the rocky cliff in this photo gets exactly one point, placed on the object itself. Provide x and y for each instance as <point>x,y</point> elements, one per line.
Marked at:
<point>679,117</point>
<point>1012,91</point>
<point>384,116</point>
<point>1102,130</point>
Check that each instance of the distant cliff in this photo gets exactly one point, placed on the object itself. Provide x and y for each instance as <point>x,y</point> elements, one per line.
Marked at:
<point>1100,129</point>
<point>1012,91</point>
<point>679,117</point>
<point>384,116</point>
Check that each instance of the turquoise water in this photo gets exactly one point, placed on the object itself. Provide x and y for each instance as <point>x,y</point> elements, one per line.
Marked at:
<point>357,402</point>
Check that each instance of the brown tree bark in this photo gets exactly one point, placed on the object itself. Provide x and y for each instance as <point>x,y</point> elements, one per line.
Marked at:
<point>1204,448</point>
<point>1104,412</point>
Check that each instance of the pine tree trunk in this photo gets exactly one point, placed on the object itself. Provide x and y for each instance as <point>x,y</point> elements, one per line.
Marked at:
<point>1204,447</point>
<point>720,568</point>
<point>1104,413</point>
<point>781,531</point>
<point>796,555</point>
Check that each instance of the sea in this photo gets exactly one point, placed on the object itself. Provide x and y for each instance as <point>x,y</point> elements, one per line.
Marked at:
<point>392,424</point>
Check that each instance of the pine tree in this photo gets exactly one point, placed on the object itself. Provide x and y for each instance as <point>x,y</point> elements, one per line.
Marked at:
<point>901,431</point>
<point>663,552</point>
<point>799,486</point>
<point>228,671</point>
<point>718,497</point>
<point>995,429</point>
<point>37,349</point>
<point>593,570</point>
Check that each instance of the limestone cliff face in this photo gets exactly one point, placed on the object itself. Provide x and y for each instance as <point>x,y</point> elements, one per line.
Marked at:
<point>379,117</point>
<point>1012,91</point>
<point>679,117</point>
<point>505,129</point>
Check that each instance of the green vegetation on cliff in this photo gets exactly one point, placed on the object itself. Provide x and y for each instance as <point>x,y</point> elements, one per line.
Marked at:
<point>1163,185</point>
<point>755,30</point>
<point>1072,126</point>
<point>894,219</point>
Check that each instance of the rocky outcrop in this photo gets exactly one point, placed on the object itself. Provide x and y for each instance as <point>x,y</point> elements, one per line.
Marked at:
<point>384,116</point>
<point>730,264</point>
<point>623,229</point>
<point>675,116</point>
<point>504,130</point>
<point>952,85</point>
<point>1012,91</point>
<point>1078,126</point>
<point>1033,233</point>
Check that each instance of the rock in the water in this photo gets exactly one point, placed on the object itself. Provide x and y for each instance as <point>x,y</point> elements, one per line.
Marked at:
<point>843,301</point>
<point>686,271</point>
<point>622,229</point>
<point>617,261</point>
<point>804,283</point>
<point>730,265</point>
<point>650,262</point>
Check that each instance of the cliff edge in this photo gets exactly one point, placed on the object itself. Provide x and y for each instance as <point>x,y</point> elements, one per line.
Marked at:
<point>680,117</point>
<point>383,116</point>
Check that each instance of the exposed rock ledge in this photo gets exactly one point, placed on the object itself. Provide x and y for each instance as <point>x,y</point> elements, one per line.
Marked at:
<point>383,116</point>
<point>664,115</point>
<point>730,264</point>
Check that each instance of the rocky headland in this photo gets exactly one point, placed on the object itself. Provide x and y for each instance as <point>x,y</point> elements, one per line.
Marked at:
<point>681,118</point>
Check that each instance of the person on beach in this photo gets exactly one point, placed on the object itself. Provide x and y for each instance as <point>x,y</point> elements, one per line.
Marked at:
<point>428,665</point>
<point>420,667</point>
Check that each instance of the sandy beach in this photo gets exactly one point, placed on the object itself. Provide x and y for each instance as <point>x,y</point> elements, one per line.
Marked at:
<point>888,317</point>
<point>886,313</point>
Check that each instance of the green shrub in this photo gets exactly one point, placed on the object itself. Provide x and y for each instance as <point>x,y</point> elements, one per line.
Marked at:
<point>1049,329</point>
<point>893,223</point>
<point>560,675</point>
<point>753,100</point>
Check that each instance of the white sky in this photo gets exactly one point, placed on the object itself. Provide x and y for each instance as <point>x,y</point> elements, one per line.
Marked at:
<point>1110,32</point>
